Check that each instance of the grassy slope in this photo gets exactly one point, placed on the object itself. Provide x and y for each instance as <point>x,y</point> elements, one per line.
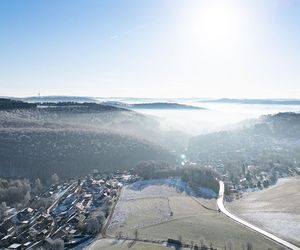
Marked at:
<point>109,244</point>
<point>190,221</point>
<point>276,208</point>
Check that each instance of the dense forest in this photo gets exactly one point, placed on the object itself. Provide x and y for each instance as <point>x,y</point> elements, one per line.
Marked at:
<point>195,176</point>
<point>72,139</point>
<point>66,106</point>
<point>72,153</point>
<point>269,142</point>
<point>7,104</point>
<point>79,107</point>
<point>77,99</point>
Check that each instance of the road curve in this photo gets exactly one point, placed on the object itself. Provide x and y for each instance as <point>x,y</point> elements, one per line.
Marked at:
<point>220,203</point>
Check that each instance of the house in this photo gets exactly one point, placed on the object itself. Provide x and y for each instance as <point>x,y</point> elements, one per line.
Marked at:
<point>6,240</point>
<point>61,233</point>
<point>77,219</point>
<point>73,231</point>
<point>27,244</point>
<point>15,246</point>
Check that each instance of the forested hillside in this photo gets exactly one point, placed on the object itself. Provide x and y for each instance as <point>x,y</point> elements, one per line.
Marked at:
<point>6,104</point>
<point>72,139</point>
<point>272,141</point>
<point>71,152</point>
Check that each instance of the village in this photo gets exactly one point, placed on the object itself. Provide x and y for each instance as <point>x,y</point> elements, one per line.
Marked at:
<point>79,211</point>
<point>73,213</point>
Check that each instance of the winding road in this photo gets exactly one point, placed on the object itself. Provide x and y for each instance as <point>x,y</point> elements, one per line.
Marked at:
<point>220,203</point>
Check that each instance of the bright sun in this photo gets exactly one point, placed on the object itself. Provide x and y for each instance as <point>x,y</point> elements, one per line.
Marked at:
<point>216,22</point>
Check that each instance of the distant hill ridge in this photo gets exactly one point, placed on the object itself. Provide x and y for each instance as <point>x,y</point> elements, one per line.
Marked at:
<point>56,99</point>
<point>152,105</point>
<point>13,104</point>
<point>255,101</point>
<point>9,104</point>
<point>141,100</point>
<point>164,105</point>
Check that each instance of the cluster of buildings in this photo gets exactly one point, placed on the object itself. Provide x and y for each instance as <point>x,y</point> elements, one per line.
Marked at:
<point>24,228</point>
<point>73,204</point>
<point>254,178</point>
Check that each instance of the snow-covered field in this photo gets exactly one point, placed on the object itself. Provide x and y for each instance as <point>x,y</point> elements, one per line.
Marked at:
<point>145,203</point>
<point>162,209</point>
<point>276,209</point>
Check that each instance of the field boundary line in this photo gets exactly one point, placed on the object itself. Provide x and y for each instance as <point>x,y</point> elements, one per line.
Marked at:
<point>199,203</point>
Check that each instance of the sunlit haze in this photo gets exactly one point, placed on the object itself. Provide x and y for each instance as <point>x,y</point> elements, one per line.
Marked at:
<point>159,48</point>
<point>159,124</point>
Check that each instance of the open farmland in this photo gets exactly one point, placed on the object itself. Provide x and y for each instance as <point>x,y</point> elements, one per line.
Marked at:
<point>159,212</point>
<point>114,244</point>
<point>275,209</point>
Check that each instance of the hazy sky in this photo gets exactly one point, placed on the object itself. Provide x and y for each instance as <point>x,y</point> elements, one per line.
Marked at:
<point>155,48</point>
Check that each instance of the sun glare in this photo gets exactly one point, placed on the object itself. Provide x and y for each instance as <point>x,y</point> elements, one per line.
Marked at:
<point>216,23</point>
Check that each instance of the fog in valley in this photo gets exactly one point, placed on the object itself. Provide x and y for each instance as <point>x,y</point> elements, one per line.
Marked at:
<point>190,144</point>
<point>215,116</point>
<point>165,124</point>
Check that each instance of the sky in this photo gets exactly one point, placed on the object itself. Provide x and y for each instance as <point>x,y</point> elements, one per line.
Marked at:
<point>157,48</point>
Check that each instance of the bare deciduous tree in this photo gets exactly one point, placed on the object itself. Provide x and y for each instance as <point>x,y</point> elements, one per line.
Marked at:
<point>38,185</point>
<point>249,246</point>
<point>92,226</point>
<point>3,209</point>
<point>230,245</point>
<point>54,179</point>
<point>58,244</point>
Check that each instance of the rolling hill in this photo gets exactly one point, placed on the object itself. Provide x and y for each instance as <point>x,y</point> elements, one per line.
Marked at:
<point>269,142</point>
<point>72,139</point>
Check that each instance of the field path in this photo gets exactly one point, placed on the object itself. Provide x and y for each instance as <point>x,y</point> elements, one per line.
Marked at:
<point>108,221</point>
<point>220,203</point>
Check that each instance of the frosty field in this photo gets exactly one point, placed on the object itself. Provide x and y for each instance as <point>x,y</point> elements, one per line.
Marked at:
<point>159,212</point>
<point>276,209</point>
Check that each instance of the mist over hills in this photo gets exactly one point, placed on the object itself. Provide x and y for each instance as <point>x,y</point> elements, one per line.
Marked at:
<point>154,105</point>
<point>142,100</point>
<point>72,139</point>
<point>272,139</point>
<point>163,105</point>
<point>255,101</point>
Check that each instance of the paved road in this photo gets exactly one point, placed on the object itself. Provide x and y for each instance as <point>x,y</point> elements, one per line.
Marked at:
<point>220,203</point>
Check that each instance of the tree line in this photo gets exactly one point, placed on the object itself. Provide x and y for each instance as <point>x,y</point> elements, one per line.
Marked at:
<point>194,175</point>
<point>13,104</point>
